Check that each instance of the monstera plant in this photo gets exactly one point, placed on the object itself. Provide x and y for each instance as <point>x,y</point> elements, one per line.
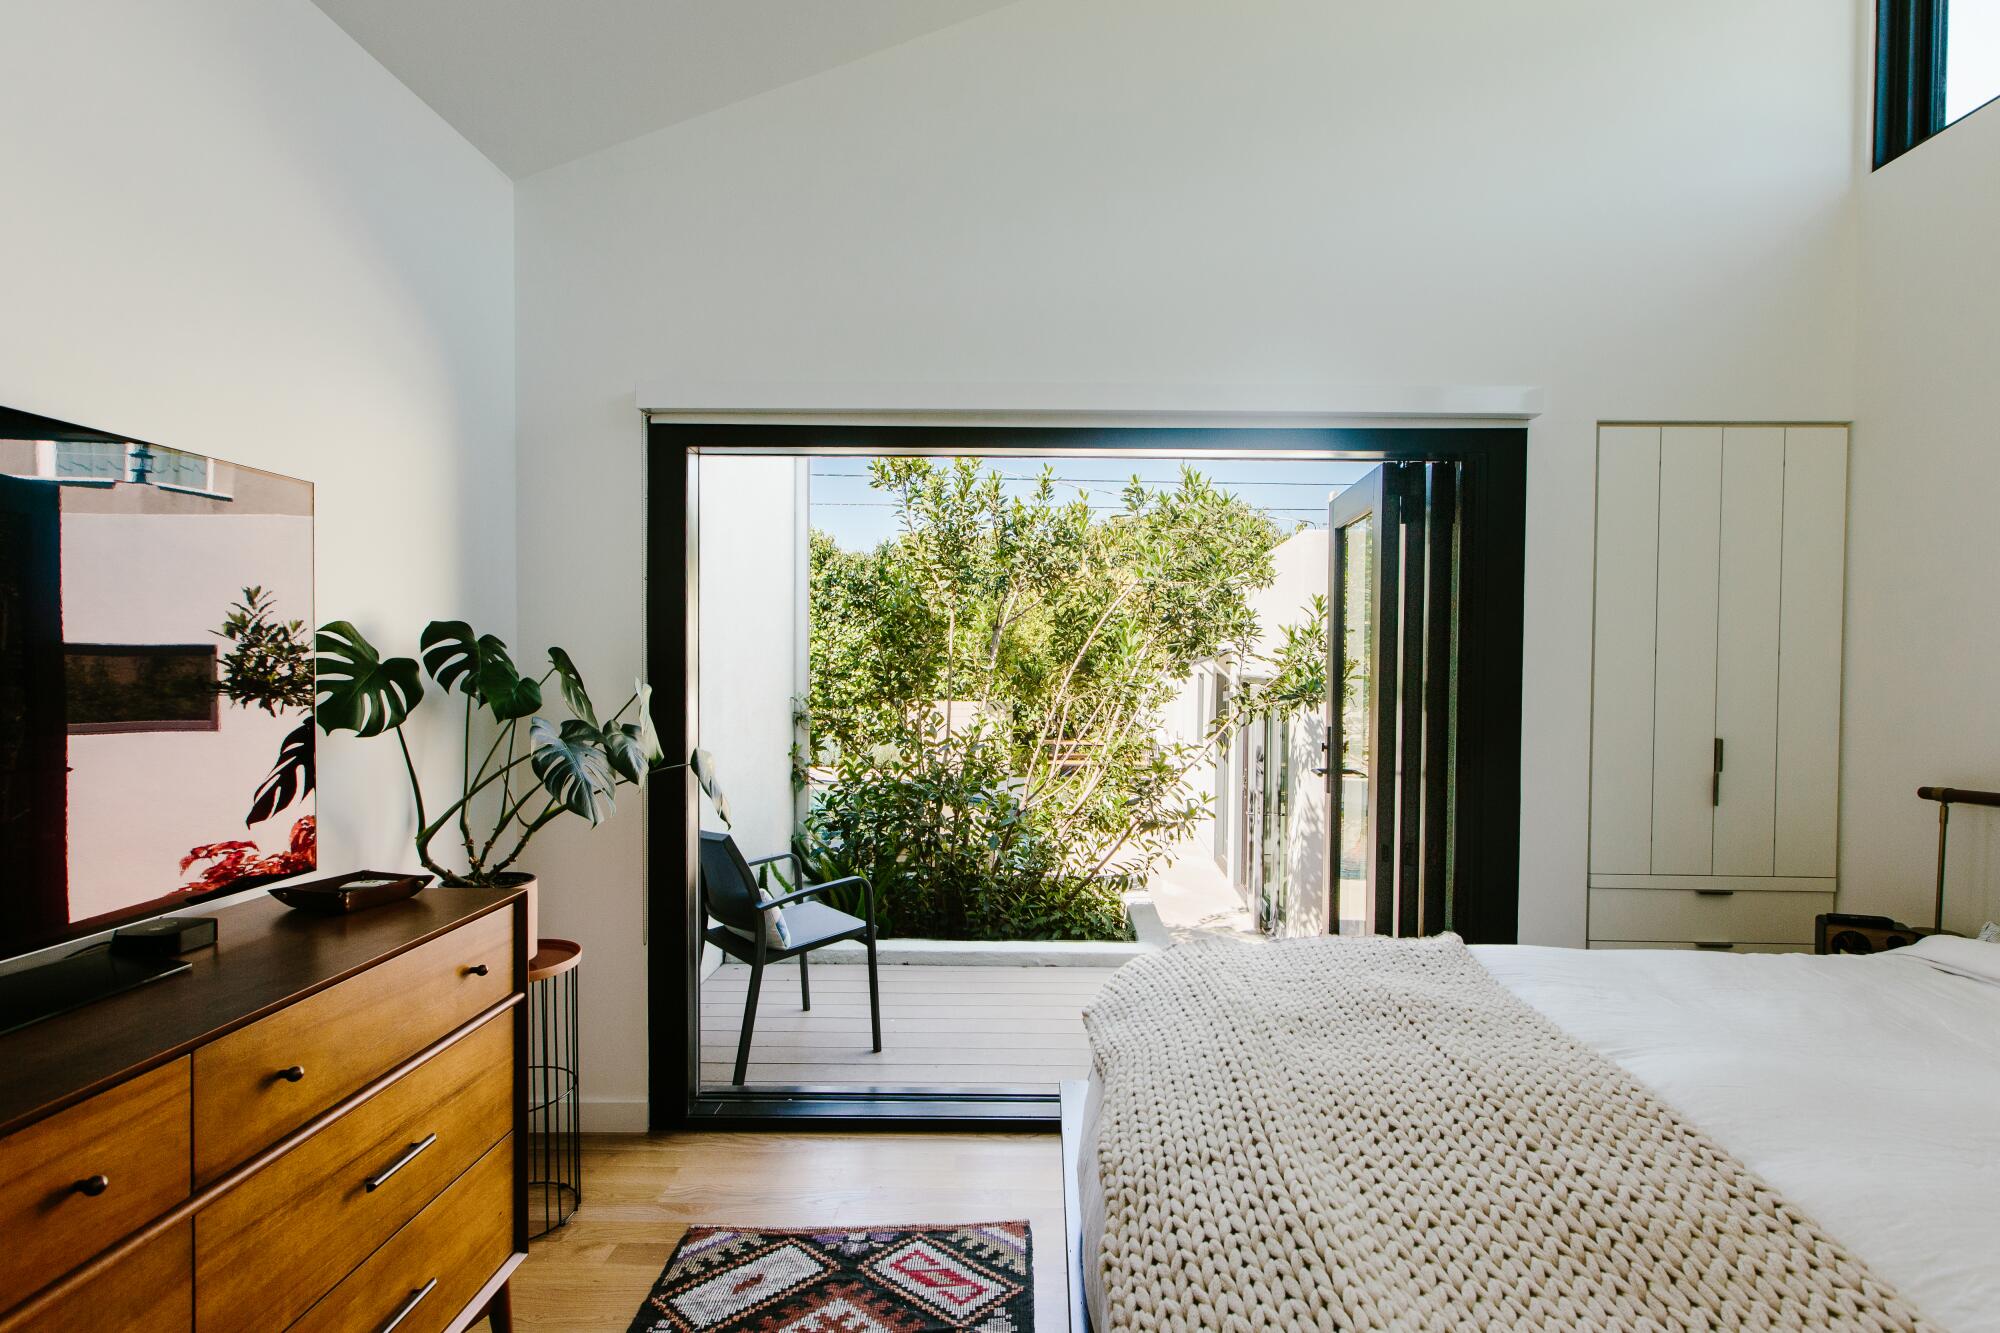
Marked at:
<point>522,769</point>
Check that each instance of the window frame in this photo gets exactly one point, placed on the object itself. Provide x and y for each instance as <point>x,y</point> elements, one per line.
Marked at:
<point>1911,42</point>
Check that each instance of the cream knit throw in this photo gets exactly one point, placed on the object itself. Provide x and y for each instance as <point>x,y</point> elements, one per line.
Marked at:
<point>1374,1133</point>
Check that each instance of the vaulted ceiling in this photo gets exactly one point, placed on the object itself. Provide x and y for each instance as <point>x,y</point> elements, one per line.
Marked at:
<point>535,83</point>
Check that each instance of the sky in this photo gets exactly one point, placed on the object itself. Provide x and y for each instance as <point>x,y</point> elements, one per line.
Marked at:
<point>859,517</point>
<point>1971,56</point>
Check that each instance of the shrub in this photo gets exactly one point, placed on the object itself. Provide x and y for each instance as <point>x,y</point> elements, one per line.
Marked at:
<point>938,828</point>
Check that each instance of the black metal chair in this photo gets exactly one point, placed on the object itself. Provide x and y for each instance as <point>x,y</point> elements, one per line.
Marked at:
<point>730,895</point>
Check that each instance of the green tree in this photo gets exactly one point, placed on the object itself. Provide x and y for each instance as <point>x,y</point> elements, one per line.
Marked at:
<point>989,681</point>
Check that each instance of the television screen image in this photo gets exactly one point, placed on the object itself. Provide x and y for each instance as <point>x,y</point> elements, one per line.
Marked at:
<point>156,686</point>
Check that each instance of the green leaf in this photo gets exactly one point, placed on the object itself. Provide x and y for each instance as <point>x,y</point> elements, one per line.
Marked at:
<point>571,767</point>
<point>703,764</point>
<point>572,685</point>
<point>649,740</point>
<point>627,753</point>
<point>479,667</point>
<point>451,654</point>
<point>290,778</point>
<point>502,688</point>
<point>359,690</point>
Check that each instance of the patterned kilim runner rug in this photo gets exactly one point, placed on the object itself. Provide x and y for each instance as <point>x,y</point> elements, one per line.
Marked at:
<point>976,1278</point>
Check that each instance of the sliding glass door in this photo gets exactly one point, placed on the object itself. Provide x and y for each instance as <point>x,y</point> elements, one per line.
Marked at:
<point>1394,632</point>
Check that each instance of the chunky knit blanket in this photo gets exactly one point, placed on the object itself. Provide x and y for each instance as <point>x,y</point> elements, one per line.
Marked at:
<point>1375,1134</point>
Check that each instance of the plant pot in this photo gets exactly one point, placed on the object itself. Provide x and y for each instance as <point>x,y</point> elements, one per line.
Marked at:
<point>518,879</point>
<point>533,887</point>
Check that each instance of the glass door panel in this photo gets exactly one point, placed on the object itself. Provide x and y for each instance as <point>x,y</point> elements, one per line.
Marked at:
<point>1352,706</point>
<point>1392,697</point>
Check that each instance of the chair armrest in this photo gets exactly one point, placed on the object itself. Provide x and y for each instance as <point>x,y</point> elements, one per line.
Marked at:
<point>814,890</point>
<point>809,891</point>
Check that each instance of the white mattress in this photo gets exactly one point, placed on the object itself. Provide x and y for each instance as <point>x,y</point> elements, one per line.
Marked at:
<point>1866,1089</point>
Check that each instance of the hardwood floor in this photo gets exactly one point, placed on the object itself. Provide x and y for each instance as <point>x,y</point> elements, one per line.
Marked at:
<point>641,1192</point>
<point>1018,1026</point>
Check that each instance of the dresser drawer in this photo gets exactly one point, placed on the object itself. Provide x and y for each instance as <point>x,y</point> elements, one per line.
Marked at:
<point>435,1266</point>
<point>1683,915</point>
<point>271,1247</point>
<point>150,1290</point>
<point>264,1080</point>
<point>131,1140</point>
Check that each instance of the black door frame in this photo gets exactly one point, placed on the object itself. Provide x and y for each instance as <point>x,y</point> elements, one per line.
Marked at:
<point>1496,456</point>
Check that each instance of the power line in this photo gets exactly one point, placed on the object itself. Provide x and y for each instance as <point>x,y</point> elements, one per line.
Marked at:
<point>1223,482</point>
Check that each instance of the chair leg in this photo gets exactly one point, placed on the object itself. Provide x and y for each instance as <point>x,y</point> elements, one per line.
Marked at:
<point>874,995</point>
<point>805,985</point>
<point>749,1022</point>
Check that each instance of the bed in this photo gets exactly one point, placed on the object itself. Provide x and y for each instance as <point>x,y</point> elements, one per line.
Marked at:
<point>1864,1090</point>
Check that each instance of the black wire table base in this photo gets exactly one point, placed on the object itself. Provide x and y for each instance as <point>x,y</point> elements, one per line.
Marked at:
<point>555,1130</point>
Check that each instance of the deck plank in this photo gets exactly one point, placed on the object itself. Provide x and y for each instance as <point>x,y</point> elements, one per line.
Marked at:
<point>957,1026</point>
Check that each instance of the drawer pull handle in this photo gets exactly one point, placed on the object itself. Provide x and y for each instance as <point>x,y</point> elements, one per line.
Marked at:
<point>1715,893</point>
<point>415,1299</point>
<point>476,970</point>
<point>92,1185</point>
<point>374,1183</point>
<point>1714,944</point>
<point>292,1074</point>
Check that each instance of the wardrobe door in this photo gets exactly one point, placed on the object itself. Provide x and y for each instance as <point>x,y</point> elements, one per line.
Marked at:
<point>1621,724</point>
<point>1808,751</point>
<point>1744,786</point>
<point>1684,671</point>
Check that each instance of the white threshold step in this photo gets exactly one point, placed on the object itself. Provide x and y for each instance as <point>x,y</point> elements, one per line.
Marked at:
<point>988,953</point>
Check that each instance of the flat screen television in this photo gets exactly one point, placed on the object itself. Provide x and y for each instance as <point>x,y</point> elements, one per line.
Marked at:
<point>156,687</point>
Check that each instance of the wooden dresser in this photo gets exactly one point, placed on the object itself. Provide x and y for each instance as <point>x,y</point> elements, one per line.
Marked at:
<point>319,1127</point>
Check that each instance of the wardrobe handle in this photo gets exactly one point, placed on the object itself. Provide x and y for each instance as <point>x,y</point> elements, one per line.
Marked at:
<point>1715,776</point>
<point>92,1186</point>
<point>1715,944</point>
<point>1715,893</point>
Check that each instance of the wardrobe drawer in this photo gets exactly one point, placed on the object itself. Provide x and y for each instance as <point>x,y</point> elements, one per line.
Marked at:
<point>435,1266</point>
<point>1705,918</point>
<point>264,1080</point>
<point>75,1182</point>
<point>271,1247</point>
<point>150,1290</point>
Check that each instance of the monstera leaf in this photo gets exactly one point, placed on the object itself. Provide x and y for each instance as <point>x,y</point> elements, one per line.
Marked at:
<point>649,740</point>
<point>290,778</point>
<point>625,750</point>
<point>451,653</point>
<point>360,690</point>
<point>479,667</point>
<point>572,686</point>
<point>703,764</point>
<point>572,766</point>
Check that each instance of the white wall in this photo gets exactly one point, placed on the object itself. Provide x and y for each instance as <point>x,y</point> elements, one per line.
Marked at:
<point>227,229</point>
<point>1646,210</point>
<point>1923,620</point>
<point>753,529</point>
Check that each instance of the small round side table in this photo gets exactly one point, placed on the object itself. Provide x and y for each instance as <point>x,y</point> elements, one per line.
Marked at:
<point>555,1132</point>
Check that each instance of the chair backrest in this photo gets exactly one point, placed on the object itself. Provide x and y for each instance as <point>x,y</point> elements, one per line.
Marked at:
<point>727,887</point>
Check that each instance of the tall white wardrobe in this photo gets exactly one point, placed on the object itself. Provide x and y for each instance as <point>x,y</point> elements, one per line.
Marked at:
<point>1715,709</point>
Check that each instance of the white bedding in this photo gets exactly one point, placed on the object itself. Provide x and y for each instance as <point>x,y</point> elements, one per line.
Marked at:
<point>1896,1153</point>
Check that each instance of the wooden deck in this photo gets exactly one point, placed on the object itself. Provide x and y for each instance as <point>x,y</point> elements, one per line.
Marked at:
<point>941,1025</point>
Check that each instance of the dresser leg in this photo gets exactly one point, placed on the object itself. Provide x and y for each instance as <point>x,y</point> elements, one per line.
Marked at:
<point>500,1310</point>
